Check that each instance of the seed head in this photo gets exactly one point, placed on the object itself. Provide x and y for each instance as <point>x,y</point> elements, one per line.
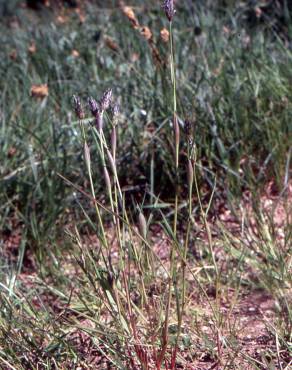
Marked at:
<point>93,106</point>
<point>168,7</point>
<point>106,100</point>
<point>78,107</point>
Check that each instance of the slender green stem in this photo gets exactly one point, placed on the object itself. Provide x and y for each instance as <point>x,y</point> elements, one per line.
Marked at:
<point>173,247</point>
<point>206,224</point>
<point>88,164</point>
<point>172,66</point>
<point>183,299</point>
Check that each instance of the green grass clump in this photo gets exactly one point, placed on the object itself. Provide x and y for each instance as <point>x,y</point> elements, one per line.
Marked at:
<point>245,83</point>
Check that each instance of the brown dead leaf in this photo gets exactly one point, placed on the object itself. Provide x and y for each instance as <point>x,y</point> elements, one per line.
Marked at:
<point>146,33</point>
<point>13,54</point>
<point>39,91</point>
<point>61,19</point>
<point>246,41</point>
<point>164,34</point>
<point>80,14</point>
<point>129,13</point>
<point>111,44</point>
<point>134,57</point>
<point>218,70</point>
<point>11,151</point>
<point>14,23</point>
<point>226,30</point>
<point>258,12</point>
<point>75,53</point>
<point>32,48</point>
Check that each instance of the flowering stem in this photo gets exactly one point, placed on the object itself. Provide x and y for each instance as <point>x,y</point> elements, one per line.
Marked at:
<point>172,252</point>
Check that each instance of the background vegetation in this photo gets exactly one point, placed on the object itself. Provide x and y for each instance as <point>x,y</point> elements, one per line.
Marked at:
<point>234,73</point>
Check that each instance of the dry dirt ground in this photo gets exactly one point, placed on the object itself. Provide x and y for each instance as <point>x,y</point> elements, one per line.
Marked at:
<point>245,331</point>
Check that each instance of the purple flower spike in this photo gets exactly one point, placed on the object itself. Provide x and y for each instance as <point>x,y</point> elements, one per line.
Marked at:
<point>106,100</point>
<point>93,106</point>
<point>168,7</point>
